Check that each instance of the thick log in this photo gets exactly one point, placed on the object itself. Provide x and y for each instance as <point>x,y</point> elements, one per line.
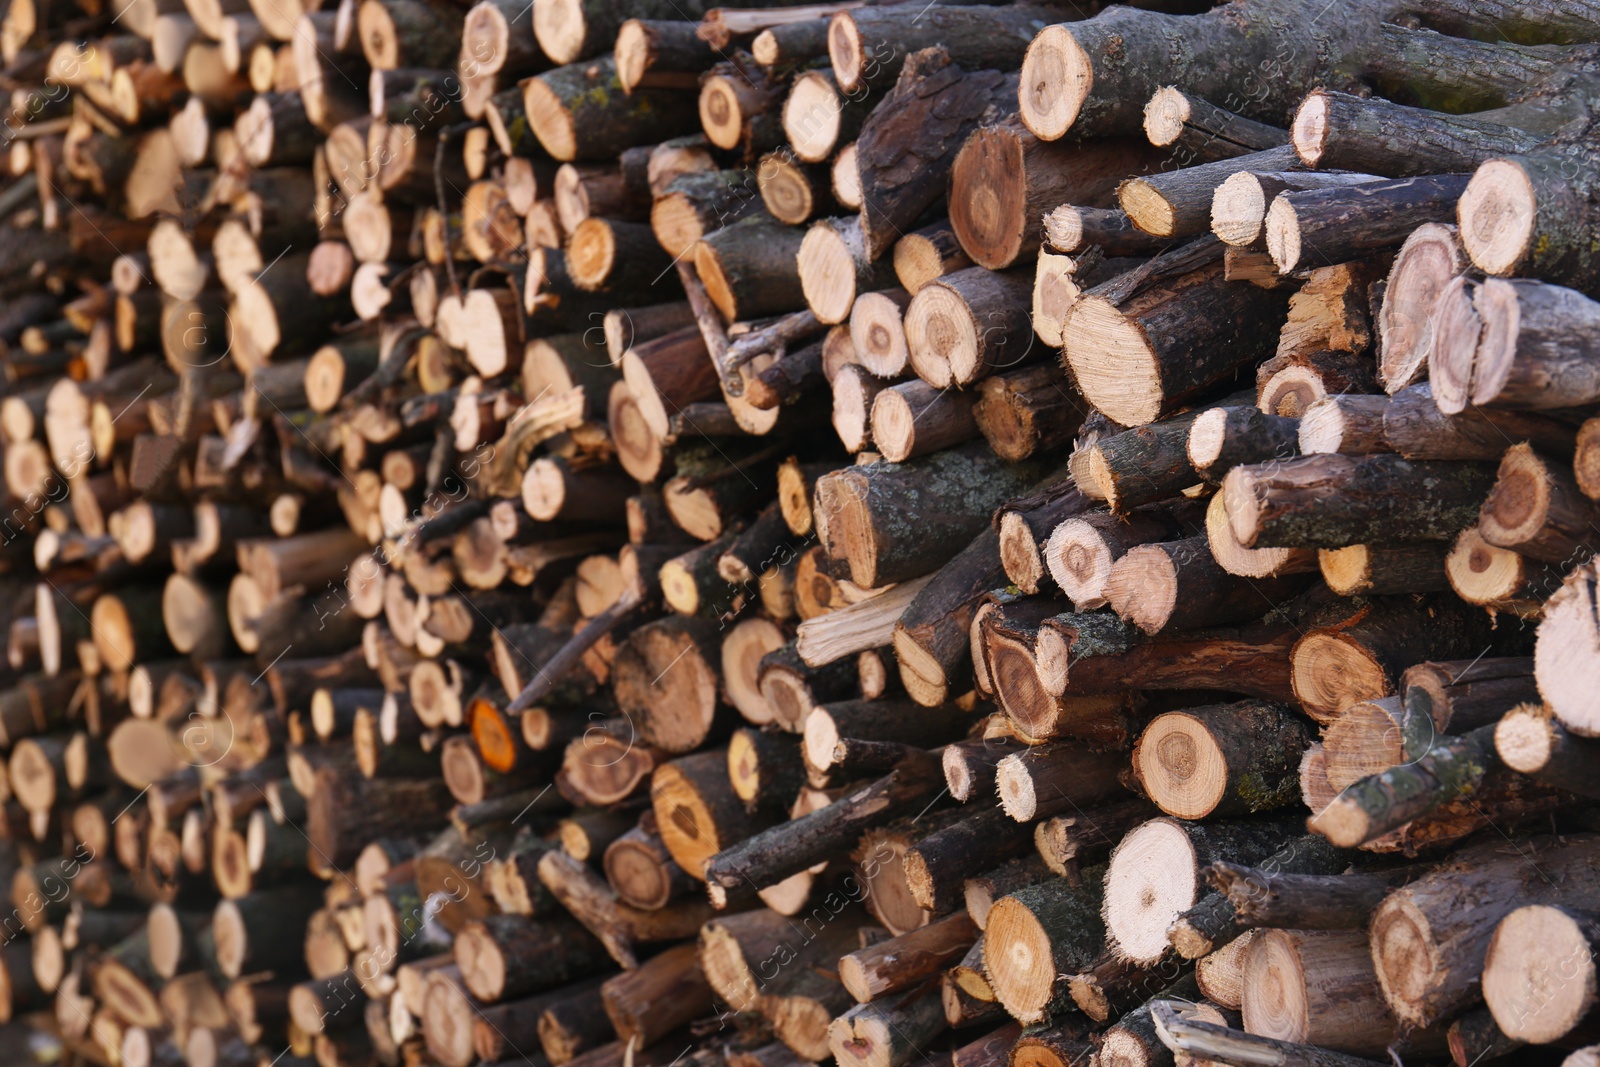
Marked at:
<point>750,269</point>
<point>1537,510</point>
<point>506,957</point>
<point>1154,875</point>
<point>1171,341</point>
<point>1038,936</point>
<point>658,997</point>
<point>1228,759</point>
<point>1364,658</point>
<point>1499,578</point>
<point>1028,410</point>
<point>1568,641</point>
<point>1519,215</point>
<point>1530,741</point>
<point>1094,77</point>
<point>835,266</point>
<point>1530,947</point>
<point>968,325</point>
<point>582,112</point>
<point>1004,178</point>
<point>1429,939</point>
<point>1082,550</point>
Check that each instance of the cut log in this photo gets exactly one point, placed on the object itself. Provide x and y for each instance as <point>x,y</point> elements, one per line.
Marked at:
<point>926,254</point>
<point>1228,759</point>
<point>1537,510</point>
<point>1154,876</point>
<point>1338,131</point>
<point>1530,741</point>
<point>968,325</point>
<point>1045,780</point>
<point>891,522</point>
<point>1004,178</point>
<point>1520,984</point>
<point>1082,550</point>
<point>1568,641</point>
<point>1169,342</point>
<point>1363,658</point>
<point>901,962</point>
<point>1178,203</point>
<point>1429,939</point>
<point>1334,225</point>
<point>1201,130</point>
<point>1038,936</point>
<point>1415,427</point>
<point>582,112</point>
<point>1240,205</point>
<point>773,854</point>
<point>835,266</point>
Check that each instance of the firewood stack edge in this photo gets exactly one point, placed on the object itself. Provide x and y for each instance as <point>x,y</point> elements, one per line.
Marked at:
<point>613,533</point>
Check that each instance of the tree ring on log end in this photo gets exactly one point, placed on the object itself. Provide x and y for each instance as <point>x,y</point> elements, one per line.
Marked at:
<point>1113,362</point>
<point>942,337</point>
<point>1057,77</point>
<point>1406,957</point>
<point>1018,960</point>
<point>1330,672</point>
<point>1497,213</point>
<point>1539,974</point>
<point>1309,134</point>
<point>844,51</point>
<point>1151,881</point>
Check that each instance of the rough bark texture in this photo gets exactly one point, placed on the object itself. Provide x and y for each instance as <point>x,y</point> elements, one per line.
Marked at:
<point>908,143</point>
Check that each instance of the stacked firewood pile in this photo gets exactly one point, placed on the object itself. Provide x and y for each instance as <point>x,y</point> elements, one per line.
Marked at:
<point>442,626</point>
